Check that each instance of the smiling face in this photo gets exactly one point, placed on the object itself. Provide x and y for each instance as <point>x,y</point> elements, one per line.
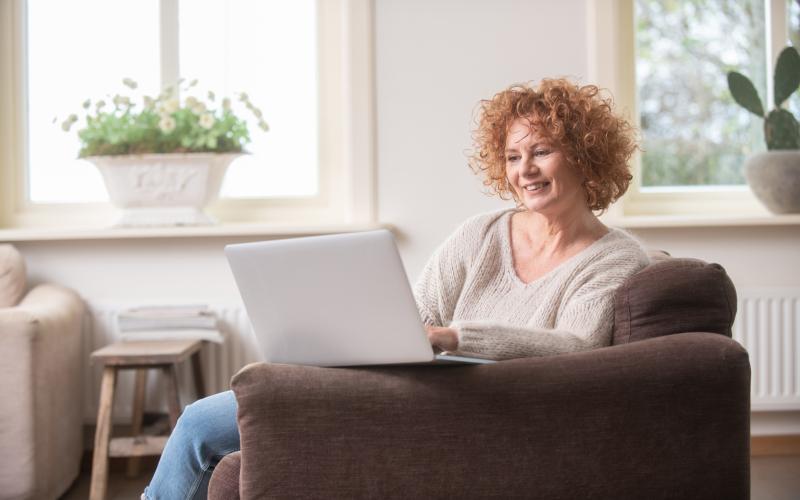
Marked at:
<point>539,174</point>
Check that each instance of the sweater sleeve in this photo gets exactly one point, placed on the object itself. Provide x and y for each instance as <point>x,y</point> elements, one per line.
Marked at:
<point>438,287</point>
<point>584,319</point>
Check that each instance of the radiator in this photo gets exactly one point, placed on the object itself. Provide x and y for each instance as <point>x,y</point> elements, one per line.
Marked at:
<point>768,326</point>
<point>220,361</point>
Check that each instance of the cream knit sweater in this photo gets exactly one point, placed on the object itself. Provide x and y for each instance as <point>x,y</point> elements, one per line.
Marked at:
<point>470,285</point>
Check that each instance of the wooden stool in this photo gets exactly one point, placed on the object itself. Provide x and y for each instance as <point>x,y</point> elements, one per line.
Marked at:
<point>141,356</point>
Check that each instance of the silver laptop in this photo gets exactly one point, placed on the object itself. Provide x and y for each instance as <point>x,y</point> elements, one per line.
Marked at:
<point>337,300</point>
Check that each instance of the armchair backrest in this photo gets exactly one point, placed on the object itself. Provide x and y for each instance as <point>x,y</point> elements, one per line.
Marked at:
<point>12,276</point>
<point>674,295</point>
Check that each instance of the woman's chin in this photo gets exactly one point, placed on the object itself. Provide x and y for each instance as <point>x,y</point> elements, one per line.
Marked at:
<point>537,203</point>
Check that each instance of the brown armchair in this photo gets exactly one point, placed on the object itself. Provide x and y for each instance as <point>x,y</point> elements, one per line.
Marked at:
<point>662,413</point>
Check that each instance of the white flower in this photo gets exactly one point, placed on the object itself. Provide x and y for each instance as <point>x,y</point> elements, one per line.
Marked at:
<point>68,122</point>
<point>167,92</point>
<point>167,124</point>
<point>171,106</point>
<point>206,121</point>
<point>191,102</point>
<point>149,102</point>
<point>199,108</point>
<point>226,104</point>
<point>121,100</point>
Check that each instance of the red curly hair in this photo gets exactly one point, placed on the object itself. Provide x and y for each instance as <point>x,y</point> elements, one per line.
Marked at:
<point>578,119</point>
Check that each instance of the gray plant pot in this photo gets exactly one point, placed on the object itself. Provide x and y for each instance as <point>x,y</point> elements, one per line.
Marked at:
<point>774,177</point>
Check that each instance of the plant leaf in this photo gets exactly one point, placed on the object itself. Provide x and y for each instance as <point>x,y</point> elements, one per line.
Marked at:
<point>787,74</point>
<point>745,93</point>
<point>781,130</point>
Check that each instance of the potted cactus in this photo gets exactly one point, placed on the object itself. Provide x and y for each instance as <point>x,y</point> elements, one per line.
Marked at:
<point>774,176</point>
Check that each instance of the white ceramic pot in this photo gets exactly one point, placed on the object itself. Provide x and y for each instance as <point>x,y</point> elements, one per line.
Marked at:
<point>163,189</point>
<point>774,177</point>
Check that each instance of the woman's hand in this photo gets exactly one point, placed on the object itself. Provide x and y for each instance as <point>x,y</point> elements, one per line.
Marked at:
<point>445,339</point>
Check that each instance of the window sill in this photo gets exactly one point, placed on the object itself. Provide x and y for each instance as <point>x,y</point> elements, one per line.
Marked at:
<point>677,221</point>
<point>216,231</point>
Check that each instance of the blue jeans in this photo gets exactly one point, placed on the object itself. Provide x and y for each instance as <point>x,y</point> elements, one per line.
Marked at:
<point>205,433</point>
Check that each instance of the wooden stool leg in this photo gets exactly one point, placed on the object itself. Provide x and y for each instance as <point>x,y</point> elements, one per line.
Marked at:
<point>136,418</point>
<point>197,369</point>
<point>99,482</point>
<point>174,404</point>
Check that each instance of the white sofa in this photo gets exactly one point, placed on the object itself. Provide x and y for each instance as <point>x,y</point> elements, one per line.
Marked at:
<point>41,391</point>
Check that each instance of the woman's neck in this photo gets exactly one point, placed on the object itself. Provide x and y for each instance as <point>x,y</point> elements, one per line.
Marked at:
<point>559,234</point>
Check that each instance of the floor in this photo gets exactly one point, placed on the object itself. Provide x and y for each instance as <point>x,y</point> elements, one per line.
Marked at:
<point>775,478</point>
<point>120,487</point>
<point>771,478</point>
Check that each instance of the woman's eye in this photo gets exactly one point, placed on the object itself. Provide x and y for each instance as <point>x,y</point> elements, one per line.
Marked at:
<point>542,152</point>
<point>512,158</point>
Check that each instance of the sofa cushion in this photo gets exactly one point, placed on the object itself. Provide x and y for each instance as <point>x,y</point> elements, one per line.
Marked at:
<point>12,276</point>
<point>674,295</point>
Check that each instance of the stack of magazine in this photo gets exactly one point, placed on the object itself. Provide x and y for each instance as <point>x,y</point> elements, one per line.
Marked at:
<point>170,322</point>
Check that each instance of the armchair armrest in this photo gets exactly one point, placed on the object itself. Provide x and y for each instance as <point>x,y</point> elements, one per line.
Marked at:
<point>42,391</point>
<point>666,417</point>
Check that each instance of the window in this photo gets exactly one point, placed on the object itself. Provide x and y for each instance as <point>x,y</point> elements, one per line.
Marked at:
<point>666,62</point>
<point>693,133</point>
<point>268,49</point>
<point>305,63</point>
<point>63,75</point>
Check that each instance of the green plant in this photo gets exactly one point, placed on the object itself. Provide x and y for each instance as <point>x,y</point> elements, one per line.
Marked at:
<point>163,124</point>
<point>781,129</point>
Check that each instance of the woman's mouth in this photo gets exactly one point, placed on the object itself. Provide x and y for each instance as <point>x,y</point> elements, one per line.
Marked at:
<point>536,186</point>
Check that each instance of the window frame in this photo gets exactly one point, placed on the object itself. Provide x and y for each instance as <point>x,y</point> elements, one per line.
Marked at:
<point>346,128</point>
<point>612,65</point>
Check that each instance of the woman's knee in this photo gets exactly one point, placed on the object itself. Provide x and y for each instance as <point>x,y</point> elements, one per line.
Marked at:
<point>210,421</point>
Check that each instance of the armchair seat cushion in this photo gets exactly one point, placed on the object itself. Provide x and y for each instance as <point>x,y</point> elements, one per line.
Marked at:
<point>225,485</point>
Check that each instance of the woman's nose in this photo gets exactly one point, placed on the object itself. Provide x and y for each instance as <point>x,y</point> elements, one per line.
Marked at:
<point>529,167</point>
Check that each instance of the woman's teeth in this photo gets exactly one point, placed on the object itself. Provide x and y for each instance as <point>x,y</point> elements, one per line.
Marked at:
<point>536,187</point>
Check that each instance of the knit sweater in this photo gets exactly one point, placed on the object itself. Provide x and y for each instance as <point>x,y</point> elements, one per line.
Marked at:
<point>470,285</point>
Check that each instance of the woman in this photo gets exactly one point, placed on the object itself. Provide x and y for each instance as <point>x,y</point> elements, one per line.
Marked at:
<point>531,281</point>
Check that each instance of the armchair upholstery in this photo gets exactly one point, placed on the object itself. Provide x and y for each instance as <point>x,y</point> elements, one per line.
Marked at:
<point>41,414</point>
<point>662,413</point>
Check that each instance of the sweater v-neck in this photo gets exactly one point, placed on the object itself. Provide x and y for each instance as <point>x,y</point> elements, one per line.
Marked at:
<point>508,255</point>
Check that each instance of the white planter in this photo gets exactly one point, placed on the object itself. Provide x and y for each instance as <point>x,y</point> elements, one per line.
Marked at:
<point>163,189</point>
<point>774,177</point>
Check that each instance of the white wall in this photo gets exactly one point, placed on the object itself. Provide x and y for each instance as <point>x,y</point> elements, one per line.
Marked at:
<point>435,60</point>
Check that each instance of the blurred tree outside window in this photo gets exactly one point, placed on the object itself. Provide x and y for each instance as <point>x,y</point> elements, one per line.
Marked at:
<point>693,133</point>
